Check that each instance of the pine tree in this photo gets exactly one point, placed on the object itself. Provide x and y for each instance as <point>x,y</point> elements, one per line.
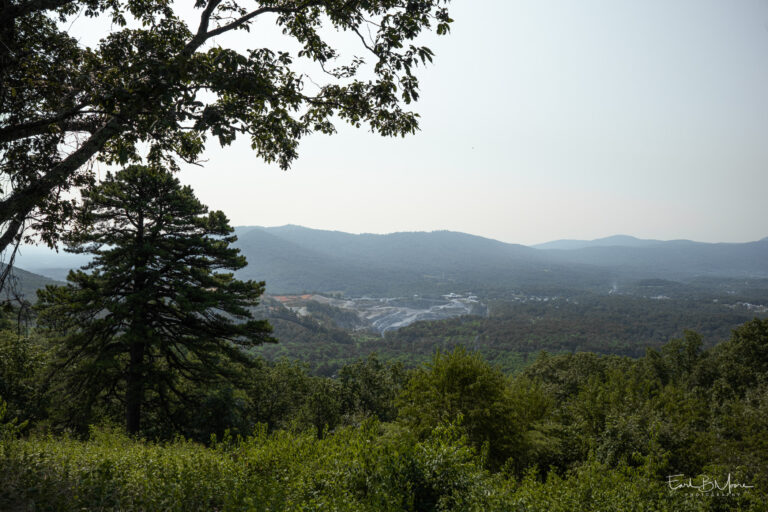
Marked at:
<point>152,313</point>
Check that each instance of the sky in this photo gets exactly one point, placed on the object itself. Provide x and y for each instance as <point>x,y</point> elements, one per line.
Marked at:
<point>541,120</point>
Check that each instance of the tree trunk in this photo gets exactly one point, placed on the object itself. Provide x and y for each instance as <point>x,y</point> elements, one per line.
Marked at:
<point>134,395</point>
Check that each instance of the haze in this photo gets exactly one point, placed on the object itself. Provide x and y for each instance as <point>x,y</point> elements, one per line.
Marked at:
<point>544,120</point>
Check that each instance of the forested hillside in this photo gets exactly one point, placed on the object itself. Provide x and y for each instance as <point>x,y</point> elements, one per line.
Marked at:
<point>513,332</point>
<point>294,259</point>
<point>23,284</point>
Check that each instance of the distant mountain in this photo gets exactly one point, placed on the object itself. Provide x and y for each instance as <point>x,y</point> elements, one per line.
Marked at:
<point>427,251</point>
<point>47,262</point>
<point>440,261</point>
<point>24,284</point>
<point>675,259</point>
<point>290,267</point>
<point>294,259</point>
<point>615,240</point>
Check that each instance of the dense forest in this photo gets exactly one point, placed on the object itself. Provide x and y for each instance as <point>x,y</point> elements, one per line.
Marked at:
<point>577,431</point>
<point>511,335</point>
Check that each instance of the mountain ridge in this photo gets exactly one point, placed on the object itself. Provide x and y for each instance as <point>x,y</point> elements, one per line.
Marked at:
<point>295,259</point>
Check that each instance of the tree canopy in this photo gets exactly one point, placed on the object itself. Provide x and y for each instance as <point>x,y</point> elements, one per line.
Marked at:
<point>153,310</point>
<point>157,87</point>
<point>461,384</point>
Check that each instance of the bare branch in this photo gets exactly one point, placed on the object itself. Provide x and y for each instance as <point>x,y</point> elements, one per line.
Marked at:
<point>8,237</point>
<point>202,29</point>
<point>365,43</point>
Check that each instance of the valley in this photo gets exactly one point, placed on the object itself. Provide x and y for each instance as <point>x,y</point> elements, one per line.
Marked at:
<point>334,297</point>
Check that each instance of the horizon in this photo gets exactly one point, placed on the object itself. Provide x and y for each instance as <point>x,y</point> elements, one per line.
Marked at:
<point>34,247</point>
<point>614,235</point>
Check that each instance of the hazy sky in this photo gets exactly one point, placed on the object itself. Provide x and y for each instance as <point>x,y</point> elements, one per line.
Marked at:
<point>546,119</point>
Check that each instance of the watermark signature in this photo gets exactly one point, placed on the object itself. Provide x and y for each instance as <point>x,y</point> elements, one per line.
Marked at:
<point>706,485</point>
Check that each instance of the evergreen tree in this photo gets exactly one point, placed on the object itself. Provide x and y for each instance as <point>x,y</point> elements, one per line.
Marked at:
<point>152,312</point>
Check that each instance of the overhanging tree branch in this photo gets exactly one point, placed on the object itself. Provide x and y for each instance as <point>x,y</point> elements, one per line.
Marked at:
<point>142,86</point>
<point>25,199</point>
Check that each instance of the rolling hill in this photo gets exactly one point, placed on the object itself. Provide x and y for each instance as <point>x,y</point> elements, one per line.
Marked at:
<point>610,241</point>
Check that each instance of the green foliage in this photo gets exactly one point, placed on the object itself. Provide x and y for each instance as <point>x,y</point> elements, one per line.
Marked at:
<point>515,332</point>
<point>276,393</point>
<point>670,412</point>
<point>10,428</point>
<point>596,487</point>
<point>322,406</point>
<point>216,409</point>
<point>572,432</point>
<point>369,468</point>
<point>355,469</point>
<point>462,387</point>
<point>620,325</point>
<point>21,363</point>
<point>741,363</point>
<point>371,386</point>
<point>282,395</point>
